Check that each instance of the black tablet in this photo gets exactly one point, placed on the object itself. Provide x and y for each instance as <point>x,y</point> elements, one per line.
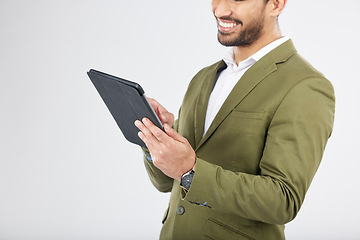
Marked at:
<point>126,102</point>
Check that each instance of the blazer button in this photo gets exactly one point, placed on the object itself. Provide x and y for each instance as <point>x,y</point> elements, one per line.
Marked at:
<point>180,210</point>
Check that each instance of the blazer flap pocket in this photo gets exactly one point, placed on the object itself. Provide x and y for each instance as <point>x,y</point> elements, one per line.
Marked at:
<point>217,230</point>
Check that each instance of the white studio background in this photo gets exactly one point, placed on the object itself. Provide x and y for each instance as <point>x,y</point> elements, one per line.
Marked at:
<point>66,171</point>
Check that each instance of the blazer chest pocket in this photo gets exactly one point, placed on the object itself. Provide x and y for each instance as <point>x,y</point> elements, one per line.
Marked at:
<point>251,122</point>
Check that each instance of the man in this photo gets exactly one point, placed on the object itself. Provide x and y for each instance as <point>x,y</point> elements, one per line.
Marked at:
<point>249,137</point>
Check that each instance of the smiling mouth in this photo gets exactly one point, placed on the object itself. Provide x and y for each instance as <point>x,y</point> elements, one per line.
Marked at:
<point>226,26</point>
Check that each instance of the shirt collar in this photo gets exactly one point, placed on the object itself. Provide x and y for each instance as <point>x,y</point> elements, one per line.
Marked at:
<point>229,56</point>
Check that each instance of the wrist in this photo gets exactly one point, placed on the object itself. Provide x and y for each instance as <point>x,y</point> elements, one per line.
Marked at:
<point>186,170</point>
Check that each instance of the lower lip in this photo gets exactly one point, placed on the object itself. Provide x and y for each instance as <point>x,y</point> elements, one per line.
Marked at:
<point>226,30</point>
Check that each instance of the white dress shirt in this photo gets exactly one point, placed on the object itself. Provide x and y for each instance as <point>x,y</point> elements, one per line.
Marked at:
<point>230,76</point>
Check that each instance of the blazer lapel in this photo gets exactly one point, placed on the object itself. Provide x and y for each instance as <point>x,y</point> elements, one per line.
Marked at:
<point>203,98</point>
<point>249,80</point>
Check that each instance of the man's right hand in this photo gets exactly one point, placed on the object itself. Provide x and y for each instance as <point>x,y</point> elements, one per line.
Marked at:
<point>164,116</point>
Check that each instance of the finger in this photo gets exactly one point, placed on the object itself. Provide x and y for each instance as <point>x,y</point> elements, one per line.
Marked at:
<point>145,134</point>
<point>167,118</point>
<point>155,105</point>
<point>173,134</point>
<point>143,138</point>
<point>153,102</point>
<point>163,114</point>
<point>155,131</point>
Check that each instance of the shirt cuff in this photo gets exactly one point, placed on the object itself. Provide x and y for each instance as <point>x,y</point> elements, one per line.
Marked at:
<point>147,154</point>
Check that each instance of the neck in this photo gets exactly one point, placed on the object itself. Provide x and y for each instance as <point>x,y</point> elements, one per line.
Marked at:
<point>243,52</point>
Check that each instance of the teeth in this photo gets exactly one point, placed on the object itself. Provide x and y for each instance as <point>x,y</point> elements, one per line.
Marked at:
<point>227,25</point>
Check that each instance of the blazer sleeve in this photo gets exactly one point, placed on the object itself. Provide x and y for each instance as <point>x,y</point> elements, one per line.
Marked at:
<point>295,143</point>
<point>160,181</point>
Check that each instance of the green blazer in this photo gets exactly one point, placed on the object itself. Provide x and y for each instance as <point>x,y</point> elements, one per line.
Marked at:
<point>259,156</point>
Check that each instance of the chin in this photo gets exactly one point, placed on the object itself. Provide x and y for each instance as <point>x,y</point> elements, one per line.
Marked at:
<point>226,40</point>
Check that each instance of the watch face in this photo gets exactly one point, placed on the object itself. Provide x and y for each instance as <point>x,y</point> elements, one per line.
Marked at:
<point>187,179</point>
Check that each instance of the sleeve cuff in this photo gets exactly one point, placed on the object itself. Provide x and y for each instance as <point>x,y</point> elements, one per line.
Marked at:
<point>147,154</point>
<point>199,193</point>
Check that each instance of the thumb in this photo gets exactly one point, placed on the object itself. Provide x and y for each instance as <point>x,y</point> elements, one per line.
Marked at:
<point>172,133</point>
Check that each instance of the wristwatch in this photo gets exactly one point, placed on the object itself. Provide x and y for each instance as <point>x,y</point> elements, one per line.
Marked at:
<point>186,179</point>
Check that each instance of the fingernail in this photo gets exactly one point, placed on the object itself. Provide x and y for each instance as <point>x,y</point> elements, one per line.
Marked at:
<point>140,135</point>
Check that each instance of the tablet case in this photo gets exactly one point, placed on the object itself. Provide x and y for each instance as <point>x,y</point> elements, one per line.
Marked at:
<point>126,102</point>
